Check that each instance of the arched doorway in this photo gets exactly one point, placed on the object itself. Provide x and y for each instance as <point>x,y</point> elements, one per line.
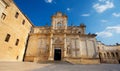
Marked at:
<point>100,56</point>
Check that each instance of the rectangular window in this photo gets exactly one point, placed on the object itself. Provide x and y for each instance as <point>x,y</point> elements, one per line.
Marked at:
<point>17,42</point>
<point>16,15</point>
<point>3,16</point>
<point>23,22</point>
<point>7,37</point>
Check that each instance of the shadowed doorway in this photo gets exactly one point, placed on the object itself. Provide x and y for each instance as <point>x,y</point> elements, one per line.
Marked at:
<point>57,54</point>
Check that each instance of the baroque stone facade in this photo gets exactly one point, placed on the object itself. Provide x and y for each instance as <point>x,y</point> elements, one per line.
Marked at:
<point>67,43</point>
<point>22,41</point>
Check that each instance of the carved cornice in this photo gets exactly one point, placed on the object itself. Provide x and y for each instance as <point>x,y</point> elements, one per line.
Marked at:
<point>7,2</point>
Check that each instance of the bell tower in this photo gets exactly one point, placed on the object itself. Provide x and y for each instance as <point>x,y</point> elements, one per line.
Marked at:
<point>59,21</point>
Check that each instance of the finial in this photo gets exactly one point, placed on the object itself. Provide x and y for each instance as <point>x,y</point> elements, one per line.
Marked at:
<point>82,25</point>
<point>46,24</point>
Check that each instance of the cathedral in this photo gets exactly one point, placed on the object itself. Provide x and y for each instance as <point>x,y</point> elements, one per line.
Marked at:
<point>20,40</point>
<point>61,42</point>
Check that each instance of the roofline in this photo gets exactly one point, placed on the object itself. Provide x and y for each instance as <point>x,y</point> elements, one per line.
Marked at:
<point>23,14</point>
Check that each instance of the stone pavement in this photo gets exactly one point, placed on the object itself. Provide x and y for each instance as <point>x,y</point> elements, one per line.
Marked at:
<point>20,66</point>
<point>29,66</point>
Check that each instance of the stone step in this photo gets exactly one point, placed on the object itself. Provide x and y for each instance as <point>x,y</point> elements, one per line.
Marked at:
<point>55,62</point>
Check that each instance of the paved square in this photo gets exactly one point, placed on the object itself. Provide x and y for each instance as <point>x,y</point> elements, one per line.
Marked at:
<point>29,66</point>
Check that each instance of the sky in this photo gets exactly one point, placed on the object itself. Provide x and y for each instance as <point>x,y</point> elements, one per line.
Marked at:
<point>101,17</point>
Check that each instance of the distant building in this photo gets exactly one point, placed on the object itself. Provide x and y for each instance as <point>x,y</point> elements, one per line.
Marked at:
<point>22,41</point>
<point>109,53</point>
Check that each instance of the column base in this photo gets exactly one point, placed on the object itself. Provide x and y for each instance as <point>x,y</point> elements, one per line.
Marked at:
<point>50,58</point>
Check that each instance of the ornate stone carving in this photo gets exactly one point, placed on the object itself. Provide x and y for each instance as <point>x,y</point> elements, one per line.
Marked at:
<point>58,40</point>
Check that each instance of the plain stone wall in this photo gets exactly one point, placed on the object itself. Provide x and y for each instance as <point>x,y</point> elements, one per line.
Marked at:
<point>13,26</point>
<point>88,47</point>
<point>37,48</point>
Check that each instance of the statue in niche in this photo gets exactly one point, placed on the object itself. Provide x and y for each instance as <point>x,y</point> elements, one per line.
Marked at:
<point>69,49</point>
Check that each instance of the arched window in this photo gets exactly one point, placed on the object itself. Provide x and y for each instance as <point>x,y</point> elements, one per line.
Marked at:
<point>100,55</point>
<point>113,54</point>
<point>104,55</point>
<point>59,24</point>
<point>117,54</point>
<point>108,54</point>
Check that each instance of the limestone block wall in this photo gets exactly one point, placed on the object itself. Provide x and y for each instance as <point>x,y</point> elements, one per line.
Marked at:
<point>92,48</point>
<point>82,46</point>
<point>17,30</point>
<point>82,50</point>
<point>75,29</point>
<point>42,30</point>
<point>38,46</point>
<point>72,46</point>
<point>109,53</point>
<point>88,47</point>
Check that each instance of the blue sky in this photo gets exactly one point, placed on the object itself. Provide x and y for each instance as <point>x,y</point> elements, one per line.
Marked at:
<point>100,16</point>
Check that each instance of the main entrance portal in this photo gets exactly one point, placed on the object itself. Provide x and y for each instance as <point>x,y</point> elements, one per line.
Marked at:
<point>57,54</point>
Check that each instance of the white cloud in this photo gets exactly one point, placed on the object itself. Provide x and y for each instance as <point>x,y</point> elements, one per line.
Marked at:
<point>104,34</point>
<point>85,15</point>
<point>116,14</point>
<point>115,29</point>
<point>103,5</point>
<point>109,31</point>
<point>103,0</point>
<point>104,21</point>
<point>48,1</point>
<point>68,9</point>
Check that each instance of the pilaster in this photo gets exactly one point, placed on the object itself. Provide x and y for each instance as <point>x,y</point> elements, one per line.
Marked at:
<point>51,49</point>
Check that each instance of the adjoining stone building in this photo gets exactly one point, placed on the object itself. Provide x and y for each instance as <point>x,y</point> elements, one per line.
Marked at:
<point>22,41</point>
<point>109,53</point>
<point>14,29</point>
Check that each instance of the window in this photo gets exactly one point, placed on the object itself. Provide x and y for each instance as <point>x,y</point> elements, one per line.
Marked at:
<point>17,42</point>
<point>7,37</point>
<point>3,16</point>
<point>108,54</point>
<point>17,57</point>
<point>117,54</point>
<point>59,24</point>
<point>100,55</point>
<point>16,15</point>
<point>79,32</point>
<point>113,54</point>
<point>23,22</point>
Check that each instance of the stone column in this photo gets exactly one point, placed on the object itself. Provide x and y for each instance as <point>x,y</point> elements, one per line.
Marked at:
<point>115,55</point>
<point>86,47</point>
<point>76,47</point>
<point>65,49</point>
<point>51,49</point>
